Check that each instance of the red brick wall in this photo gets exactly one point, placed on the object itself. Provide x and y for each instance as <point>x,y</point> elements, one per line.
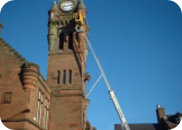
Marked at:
<point>10,67</point>
<point>66,113</point>
<point>66,110</point>
<point>23,105</point>
<point>62,62</point>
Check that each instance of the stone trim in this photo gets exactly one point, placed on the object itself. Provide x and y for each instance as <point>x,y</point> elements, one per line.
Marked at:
<point>63,52</point>
<point>62,93</point>
<point>29,65</point>
<point>67,95</point>
<point>32,70</point>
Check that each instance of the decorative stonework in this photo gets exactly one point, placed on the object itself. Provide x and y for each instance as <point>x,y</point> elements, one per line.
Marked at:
<point>52,35</point>
<point>87,77</point>
<point>30,75</point>
<point>86,103</point>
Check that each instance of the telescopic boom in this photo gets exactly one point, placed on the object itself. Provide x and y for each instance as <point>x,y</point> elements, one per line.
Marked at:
<point>124,124</point>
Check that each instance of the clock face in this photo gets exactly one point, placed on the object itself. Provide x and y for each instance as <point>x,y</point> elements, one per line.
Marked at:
<point>67,6</point>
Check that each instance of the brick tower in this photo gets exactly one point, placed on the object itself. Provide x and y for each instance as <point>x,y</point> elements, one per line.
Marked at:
<point>66,66</point>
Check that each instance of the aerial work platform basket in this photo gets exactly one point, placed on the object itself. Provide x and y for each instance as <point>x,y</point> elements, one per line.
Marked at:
<point>79,18</point>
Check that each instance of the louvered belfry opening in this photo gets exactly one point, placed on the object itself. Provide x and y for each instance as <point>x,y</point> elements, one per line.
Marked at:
<point>70,41</point>
<point>61,41</point>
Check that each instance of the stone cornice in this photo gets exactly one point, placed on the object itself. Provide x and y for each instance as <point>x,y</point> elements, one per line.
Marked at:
<point>29,65</point>
<point>63,93</point>
<point>63,52</point>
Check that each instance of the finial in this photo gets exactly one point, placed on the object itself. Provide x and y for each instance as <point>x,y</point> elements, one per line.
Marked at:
<point>158,106</point>
<point>54,6</point>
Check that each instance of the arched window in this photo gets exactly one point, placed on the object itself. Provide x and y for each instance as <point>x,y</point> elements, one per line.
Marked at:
<point>70,41</point>
<point>61,41</point>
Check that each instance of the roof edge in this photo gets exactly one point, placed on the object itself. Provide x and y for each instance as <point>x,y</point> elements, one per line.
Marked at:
<point>19,56</point>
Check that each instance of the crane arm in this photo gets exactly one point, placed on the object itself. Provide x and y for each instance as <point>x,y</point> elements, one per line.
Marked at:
<point>111,92</point>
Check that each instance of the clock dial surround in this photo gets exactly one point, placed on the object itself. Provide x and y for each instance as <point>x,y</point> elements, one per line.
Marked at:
<point>67,6</point>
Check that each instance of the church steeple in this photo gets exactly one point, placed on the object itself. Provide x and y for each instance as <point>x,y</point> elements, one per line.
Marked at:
<point>67,66</point>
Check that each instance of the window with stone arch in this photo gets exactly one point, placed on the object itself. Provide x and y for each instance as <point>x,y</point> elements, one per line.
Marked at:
<point>70,40</point>
<point>61,41</point>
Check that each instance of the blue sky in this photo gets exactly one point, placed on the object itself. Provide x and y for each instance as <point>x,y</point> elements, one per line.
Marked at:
<point>138,43</point>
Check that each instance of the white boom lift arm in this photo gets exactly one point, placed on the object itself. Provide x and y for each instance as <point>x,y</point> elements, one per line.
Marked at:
<point>124,124</point>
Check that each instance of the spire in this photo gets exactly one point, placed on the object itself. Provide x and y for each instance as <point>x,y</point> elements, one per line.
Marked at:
<point>81,5</point>
<point>158,106</point>
<point>54,6</point>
